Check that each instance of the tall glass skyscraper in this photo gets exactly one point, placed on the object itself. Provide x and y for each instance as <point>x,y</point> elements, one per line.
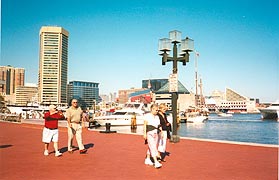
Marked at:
<point>53,66</point>
<point>87,93</point>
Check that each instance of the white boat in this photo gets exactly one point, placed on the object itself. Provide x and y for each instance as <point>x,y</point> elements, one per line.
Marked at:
<point>28,112</point>
<point>123,116</point>
<point>35,111</point>
<point>271,112</point>
<point>222,114</point>
<point>195,117</point>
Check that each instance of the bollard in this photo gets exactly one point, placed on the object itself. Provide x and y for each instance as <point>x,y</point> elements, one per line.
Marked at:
<point>134,121</point>
<point>91,124</point>
<point>108,126</point>
<point>108,129</point>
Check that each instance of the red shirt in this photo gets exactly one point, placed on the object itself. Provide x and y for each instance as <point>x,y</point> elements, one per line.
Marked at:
<point>51,121</point>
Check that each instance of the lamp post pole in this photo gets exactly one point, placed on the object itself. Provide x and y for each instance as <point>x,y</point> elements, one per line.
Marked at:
<point>187,45</point>
<point>174,97</point>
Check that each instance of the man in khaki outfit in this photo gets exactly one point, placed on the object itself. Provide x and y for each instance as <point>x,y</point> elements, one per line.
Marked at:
<point>74,118</point>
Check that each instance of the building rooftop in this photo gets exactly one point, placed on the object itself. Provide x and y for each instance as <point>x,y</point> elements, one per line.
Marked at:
<point>181,89</point>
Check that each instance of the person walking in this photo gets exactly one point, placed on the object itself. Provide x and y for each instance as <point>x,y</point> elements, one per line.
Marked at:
<point>150,133</point>
<point>50,131</point>
<point>74,115</point>
<point>165,134</point>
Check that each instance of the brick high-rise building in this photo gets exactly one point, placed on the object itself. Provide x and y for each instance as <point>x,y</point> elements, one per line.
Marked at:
<point>10,79</point>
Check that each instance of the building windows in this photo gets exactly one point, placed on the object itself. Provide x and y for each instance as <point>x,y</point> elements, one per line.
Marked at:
<point>85,92</point>
<point>53,64</point>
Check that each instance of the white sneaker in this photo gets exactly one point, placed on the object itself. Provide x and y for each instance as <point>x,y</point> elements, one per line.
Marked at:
<point>147,161</point>
<point>157,165</point>
<point>57,154</point>
<point>46,152</point>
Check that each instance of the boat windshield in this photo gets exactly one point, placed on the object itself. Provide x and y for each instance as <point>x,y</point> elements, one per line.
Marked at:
<point>126,113</point>
<point>132,113</point>
<point>132,106</point>
<point>119,113</point>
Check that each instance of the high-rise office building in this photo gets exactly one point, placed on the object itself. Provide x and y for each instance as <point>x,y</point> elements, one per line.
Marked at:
<point>10,79</point>
<point>26,94</point>
<point>53,66</point>
<point>87,93</point>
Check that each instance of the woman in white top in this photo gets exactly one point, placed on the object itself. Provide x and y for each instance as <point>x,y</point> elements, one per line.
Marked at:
<point>150,133</point>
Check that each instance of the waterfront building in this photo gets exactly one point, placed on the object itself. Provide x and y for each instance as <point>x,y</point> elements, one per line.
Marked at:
<point>26,95</point>
<point>123,95</point>
<point>230,101</point>
<point>144,96</point>
<point>161,94</point>
<point>53,65</point>
<point>105,98</point>
<point>10,79</point>
<point>87,93</point>
<point>154,84</point>
<point>112,97</point>
<point>185,99</point>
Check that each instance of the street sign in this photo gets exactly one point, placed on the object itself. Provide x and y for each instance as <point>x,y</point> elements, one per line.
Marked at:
<point>173,83</point>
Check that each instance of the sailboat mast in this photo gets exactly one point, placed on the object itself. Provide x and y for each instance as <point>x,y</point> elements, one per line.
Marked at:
<point>201,93</point>
<point>196,77</point>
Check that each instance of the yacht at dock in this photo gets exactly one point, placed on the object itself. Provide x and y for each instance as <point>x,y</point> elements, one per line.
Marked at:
<point>271,112</point>
<point>123,116</point>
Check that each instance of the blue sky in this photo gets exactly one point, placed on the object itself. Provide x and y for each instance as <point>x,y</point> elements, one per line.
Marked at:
<point>115,43</point>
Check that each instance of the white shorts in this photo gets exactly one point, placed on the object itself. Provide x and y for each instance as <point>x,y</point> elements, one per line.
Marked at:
<point>50,135</point>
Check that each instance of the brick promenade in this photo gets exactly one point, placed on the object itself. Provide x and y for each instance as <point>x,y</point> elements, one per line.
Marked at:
<point>121,156</point>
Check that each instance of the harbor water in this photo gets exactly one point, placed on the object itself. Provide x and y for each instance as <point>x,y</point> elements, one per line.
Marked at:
<point>248,128</point>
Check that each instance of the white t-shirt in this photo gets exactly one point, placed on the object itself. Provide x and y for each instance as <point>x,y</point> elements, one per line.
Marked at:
<point>152,120</point>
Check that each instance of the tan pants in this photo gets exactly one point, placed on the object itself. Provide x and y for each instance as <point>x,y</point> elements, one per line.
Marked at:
<point>76,130</point>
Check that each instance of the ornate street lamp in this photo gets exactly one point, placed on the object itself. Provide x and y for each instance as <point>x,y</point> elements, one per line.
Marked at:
<point>186,45</point>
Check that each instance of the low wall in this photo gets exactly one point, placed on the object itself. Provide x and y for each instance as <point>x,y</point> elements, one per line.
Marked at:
<point>10,117</point>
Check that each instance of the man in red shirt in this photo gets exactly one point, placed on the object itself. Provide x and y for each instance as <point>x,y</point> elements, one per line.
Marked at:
<point>50,131</point>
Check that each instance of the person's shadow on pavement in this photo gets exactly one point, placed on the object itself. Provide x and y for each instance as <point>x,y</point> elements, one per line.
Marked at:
<point>86,146</point>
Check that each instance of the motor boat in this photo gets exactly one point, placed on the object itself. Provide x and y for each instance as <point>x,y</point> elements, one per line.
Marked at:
<point>195,117</point>
<point>271,112</point>
<point>222,114</point>
<point>122,117</point>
